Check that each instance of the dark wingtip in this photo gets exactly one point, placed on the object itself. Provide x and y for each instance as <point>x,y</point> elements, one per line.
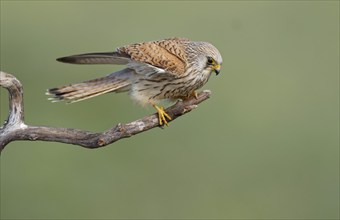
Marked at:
<point>66,59</point>
<point>60,59</point>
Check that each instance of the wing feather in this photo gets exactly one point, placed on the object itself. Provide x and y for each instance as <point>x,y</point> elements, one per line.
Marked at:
<point>96,58</point>
<point>167,55</point>
<point>164,56</point>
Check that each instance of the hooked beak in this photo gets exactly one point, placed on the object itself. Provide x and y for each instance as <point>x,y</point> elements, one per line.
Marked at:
<point>217,69</point>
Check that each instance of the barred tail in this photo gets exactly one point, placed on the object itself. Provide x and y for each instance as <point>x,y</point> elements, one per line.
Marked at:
<point>88,89</point>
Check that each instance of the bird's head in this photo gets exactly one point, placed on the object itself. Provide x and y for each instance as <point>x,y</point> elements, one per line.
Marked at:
<point>213,64</point>
<point>208,58</point>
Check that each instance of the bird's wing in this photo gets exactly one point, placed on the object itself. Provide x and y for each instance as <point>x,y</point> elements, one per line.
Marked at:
<point>96,58</point>
<point>164,56</point>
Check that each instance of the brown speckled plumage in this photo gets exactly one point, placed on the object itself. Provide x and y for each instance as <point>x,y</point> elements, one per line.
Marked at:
<point>165,69</point>
<point>165,54</point>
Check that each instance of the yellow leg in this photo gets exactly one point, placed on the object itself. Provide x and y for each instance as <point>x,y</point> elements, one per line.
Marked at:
<point>162,115</point>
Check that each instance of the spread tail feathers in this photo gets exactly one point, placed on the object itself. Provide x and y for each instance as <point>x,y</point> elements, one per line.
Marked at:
<point>88,89</point>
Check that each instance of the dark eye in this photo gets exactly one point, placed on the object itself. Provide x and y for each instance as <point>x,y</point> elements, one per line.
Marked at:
<point>210,60</point>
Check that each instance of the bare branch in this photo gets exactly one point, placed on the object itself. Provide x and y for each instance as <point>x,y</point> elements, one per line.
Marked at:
<point>15,128</point>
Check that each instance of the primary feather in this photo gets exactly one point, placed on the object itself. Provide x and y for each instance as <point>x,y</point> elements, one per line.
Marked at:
<point>96,58</point>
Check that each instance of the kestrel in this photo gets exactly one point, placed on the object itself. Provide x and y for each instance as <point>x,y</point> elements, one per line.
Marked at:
<point>169,69</point>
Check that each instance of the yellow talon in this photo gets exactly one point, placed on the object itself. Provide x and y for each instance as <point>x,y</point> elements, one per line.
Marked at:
<point>195,94</point>
<point>162,115</point>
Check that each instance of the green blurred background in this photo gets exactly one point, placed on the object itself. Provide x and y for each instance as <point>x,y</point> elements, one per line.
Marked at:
<point>264,146</point>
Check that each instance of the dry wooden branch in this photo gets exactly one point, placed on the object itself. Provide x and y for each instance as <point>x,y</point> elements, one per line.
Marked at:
<point>15,128</point>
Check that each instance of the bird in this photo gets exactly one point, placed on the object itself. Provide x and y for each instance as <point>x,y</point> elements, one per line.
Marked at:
<point>168,69</point>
